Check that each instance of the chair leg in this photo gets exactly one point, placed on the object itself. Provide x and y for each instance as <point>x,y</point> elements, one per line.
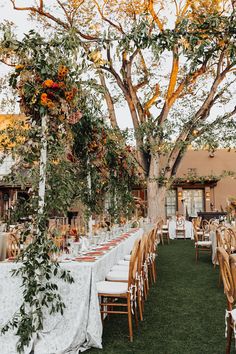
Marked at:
<point>151,274</point>
<point>219,280</point>
<point>229,336</point>
<point>145,289</point>
<point>154,272</point>
<point>130,320</point>
<point>102,307</point>
<point>162,240</point>
<point>140,305</point>
<point>136,316</point>
<point>196,253</point>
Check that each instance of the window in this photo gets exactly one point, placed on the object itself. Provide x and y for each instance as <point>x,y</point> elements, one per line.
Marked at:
<point>192,171</point>
<point>171,203</point>
<point>193,201</point>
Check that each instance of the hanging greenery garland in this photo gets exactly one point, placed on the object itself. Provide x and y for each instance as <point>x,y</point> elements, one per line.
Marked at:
<point>46,82</point>
<point>77,143</point>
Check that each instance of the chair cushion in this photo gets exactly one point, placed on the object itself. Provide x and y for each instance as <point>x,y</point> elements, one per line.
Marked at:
<point>203,243</point>
<point>123,262</point>
<point>233,314</point>
<point>119,267</point>
<point>127,257</point>
<point>107,287</point>
<point>118,275</point>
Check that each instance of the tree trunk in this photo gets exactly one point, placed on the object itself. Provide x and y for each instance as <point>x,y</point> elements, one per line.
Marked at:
<point>155,193</point>
<point>109,101</point>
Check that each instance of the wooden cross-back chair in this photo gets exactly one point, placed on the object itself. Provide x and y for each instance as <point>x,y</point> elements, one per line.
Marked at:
<point>230,240</point>
<point>228,274</point>
<point>201,245</point>
<point>13,246</point>
<point>180,227</point>
<point>121,297</point>
<point>226,238</point>
<point>151,250</point>
<point>120,272</point>
<point>206,229</point>
<point>162,231</point>
<point>143,283</point>
<point>213,222</point>
<point>220,241</point>
<point>198,229</point>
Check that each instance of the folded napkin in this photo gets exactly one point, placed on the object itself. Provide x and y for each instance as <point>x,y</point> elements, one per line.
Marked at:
<point>103,248</point>
<point>84,259</point>
<point>95,253</point>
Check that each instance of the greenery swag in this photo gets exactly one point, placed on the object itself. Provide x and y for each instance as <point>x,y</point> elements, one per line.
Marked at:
<point>79,144</point>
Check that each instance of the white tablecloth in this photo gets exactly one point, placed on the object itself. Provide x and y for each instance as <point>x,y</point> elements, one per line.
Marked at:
<point>80,326</point>
<point>188,227</point>
<point>212,237</point>
<point>3,245</point>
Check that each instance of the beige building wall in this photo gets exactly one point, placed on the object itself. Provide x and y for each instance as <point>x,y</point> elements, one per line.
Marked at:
<point>205,165</point>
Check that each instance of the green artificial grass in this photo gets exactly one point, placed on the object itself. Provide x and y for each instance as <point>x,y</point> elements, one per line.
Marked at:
<point>184,313</point>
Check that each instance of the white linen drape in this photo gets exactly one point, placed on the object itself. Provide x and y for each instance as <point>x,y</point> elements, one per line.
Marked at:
<point>80,326</point>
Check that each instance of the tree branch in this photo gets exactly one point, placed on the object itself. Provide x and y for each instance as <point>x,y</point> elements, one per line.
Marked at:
<point>216,121</point>
<point>48,15</point>
<point>154,15</point>
<point>118,27</point>
<point>153,99</point>
<point>65,12</point>
<point>109,100</point>
<point>174,74</point>
<point>4,61</point>
<point>189,79</point>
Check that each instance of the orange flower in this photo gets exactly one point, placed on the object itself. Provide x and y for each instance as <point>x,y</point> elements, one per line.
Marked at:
<point>19,67</point>
<point>61,84</point>
<point>48,83</point>
<point>44,99</point>
<point>50,104</point>
<point>62,71</point>
<point>69,95</point>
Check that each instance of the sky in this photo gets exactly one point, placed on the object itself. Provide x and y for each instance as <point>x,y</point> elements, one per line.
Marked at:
<point>18,17</point>
<point>23,24</point>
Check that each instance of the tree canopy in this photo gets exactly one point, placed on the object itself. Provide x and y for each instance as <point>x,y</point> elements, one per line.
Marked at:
<point>172,63</point>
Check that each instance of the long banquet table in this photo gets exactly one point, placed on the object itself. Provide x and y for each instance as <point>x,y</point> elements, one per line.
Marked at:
<point>80,326</point>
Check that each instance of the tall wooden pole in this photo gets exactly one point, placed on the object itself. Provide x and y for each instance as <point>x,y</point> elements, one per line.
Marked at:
<point>43,165</point>
<point>90,221</point>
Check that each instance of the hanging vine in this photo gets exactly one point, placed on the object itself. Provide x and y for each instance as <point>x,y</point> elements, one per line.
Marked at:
<point>46,81</point>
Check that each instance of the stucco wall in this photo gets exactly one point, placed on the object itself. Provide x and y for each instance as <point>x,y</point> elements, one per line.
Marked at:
<point>223,160</point>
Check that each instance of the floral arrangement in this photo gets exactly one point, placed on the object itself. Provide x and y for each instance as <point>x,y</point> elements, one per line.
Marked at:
<point>112,167</point>
<point>47,84</point>
<point>55,94</point>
